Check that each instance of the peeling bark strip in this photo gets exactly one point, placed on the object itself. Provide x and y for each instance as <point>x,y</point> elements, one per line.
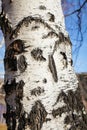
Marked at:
<point>26,21</point>
<point>52,68</point>
<point>5,24</point>
<point>37,91</point>
<point>37,116</point>
<point>72,108</point>
<point>38,54</point>
<point>22,64</point>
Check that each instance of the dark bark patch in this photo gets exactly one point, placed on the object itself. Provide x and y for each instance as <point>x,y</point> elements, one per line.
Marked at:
<point>37,91</point>
<point>45,80</point>
<point>19,89</point>
<point>74,108</point>
<point>10,63</point>
<point>5,24</point>
<point>59,111</point>
<point>37,54</point>
<point>22,64</point>
<point>10,1</point>
<point>9,87</point>
<point>10,120</point>
<point>27,98</point>
<point>71,62</point>
<point>52,68</point>
<point>22,121</point>
<point>14,108</point>
<point>61,37</point>
<point>64,58</point>
<point>16,47</point>
<point>51,34</point>
<point>48,119</point>
<point>37,116</point>
<point>35,28</point>
<point>42,7</point>
<point>51,17</point>
<point>64,39</point>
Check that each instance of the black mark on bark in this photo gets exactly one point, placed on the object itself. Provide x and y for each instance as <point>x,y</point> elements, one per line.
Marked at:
<point>10,63</point>
<point>28,20</point>
<point>51,34</point>
<point>10,120</point>
<point>42,7</point>
<point>22,121</point>
<point>52,68</point>
<point>22,64</point>
<point>51,17</point>
<point>37,91</point>
<point>14,108</point>
<point>10,1</point>
<point>37,116</point>
<point>35,28</point>
<point>61,37</point>
<point>5,24</point>
<point>9,86</point>
<point>19,89</point>
<point>38,54</point>
<point>59,111</point>
<point>45,80</point>
<point>76,117</point>
<point>16,47</point>
<point>64,58</point>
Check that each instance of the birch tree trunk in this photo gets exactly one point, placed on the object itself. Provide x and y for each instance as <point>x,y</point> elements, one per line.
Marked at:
<point>40,84</point>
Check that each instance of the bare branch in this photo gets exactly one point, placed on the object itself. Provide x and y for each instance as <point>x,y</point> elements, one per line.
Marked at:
<point>77,10</point>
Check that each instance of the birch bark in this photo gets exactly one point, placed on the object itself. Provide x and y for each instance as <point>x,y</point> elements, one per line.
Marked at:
<point>40,84</point>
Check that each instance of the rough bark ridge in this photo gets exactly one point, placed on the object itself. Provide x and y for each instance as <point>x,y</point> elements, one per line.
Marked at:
<point>40,84</point>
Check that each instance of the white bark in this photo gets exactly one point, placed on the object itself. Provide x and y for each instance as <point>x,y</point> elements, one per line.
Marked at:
<point>41,83</point>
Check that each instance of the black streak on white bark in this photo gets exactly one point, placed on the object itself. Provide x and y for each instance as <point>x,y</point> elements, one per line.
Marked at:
<point>52,68</point>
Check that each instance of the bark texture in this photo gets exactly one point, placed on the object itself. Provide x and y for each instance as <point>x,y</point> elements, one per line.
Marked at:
<point>40,84</point>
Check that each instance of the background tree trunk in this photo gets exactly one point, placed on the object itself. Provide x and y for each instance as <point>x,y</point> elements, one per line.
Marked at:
<point>40,84</point>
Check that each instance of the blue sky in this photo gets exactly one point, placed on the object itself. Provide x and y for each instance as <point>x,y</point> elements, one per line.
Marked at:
<point>76,25</point>
<point>77,29</point>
